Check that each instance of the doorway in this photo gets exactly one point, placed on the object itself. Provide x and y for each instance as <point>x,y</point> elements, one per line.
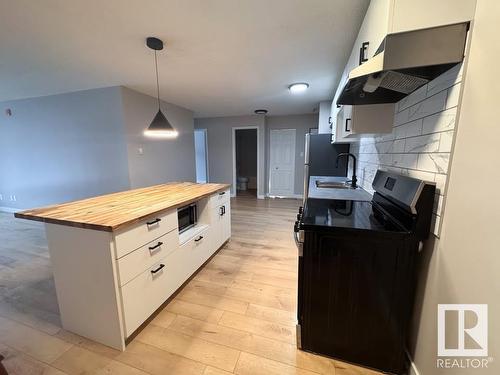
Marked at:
<point>282,163</point>
<point>201,155</point>
<point>245,155</point>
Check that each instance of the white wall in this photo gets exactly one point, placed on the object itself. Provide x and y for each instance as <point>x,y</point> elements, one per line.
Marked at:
<point>463,266</point>
<point>59,148</point>
<point>163,160</point>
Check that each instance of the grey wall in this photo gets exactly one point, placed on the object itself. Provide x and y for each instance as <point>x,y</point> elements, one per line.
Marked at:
<point>62,147</point>
<point>220,145</point>
<point>246,155</point>
<point>301,123</point>
<point>163,160</point>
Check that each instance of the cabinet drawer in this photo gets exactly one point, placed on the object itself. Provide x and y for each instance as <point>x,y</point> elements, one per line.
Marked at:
<point>143,232</point>
<point>144,294</point>
<point>146,256</point>
<point>197,250</point>
<point>219,198</point>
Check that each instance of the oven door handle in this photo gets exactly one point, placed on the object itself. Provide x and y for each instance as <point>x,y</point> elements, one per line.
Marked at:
<point>296,237</point>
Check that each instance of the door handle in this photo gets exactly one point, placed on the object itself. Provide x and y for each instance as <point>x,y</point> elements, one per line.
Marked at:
<point>155,221</point>
<point>160,267</point>
<point>221,211</point>
<point>156,246</point>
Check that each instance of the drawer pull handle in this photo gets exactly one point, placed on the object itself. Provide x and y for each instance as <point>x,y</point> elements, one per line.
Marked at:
<point>156,246</point>
<point>153,222</point>
<point>222,193</point>
<point>198,239</point>
<point>160,267</point>
<point>221,209</point>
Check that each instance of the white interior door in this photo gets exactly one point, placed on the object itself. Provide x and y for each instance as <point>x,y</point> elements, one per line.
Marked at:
<point>282,162</point>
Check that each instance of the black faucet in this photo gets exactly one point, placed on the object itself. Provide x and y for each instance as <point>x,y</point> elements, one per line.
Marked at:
<point>354,179</point>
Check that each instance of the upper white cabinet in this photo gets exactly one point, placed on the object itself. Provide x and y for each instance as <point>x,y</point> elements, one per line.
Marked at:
<point>384,17</point>
<point>411,15</point>
<point>324,118</point>
<point>354,121</point>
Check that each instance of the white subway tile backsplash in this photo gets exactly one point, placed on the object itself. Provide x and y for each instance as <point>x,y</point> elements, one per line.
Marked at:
<point>410,129</point>
<point>437,163</point>
<point>412,99</point>
<point>401,117</point>
<point>445,80</point>
<point>405,160</point>
<point>441,121</point>
<point>446,141</point>
<point>435,224</point>
<point>429,106</point>
<point>453,96</point>
<point>426,176</point>
<point>398,146</point>
<point>438,204</point>
<point>440,180</point>
<point>424,143</point>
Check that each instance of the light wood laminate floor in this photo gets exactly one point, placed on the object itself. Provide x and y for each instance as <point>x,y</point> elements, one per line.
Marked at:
<point>237,315</point>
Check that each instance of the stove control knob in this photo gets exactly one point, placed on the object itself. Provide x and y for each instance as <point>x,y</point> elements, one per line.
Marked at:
<point>299,216</point>
<point>296,227</point>
<point>301,209</point>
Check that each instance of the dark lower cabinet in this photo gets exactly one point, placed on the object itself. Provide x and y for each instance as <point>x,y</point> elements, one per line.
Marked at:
<point>356,297</point>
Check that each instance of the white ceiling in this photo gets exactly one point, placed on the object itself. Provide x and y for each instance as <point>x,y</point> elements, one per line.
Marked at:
<point>222,57</point>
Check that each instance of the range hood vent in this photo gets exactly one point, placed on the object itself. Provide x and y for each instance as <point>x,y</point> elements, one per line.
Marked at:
<point>403,63</point>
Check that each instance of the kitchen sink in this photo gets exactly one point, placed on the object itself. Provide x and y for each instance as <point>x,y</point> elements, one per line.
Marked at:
<point>333,185</point>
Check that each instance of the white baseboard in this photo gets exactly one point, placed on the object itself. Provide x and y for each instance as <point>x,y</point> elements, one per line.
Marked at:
<point>292,196</point>
<point>261,196</point>
<point>413,366</point>
<point>9,209</point>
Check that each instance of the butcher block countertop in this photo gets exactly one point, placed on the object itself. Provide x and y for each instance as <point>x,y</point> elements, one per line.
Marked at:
<point>114,211</point>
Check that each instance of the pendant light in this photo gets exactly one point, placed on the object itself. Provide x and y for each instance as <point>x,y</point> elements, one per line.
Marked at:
<point>160,127</point>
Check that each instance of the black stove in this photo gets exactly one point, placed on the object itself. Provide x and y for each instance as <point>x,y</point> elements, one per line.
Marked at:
<point>357,274</point>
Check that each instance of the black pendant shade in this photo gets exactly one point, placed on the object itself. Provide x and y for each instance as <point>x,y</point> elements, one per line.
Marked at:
<point>160,127</point>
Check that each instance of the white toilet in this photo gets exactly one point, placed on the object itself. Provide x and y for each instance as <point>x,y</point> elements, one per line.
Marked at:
<point>242,183</point>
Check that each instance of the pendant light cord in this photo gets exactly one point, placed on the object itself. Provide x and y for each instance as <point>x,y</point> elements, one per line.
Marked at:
<point>157,83</point>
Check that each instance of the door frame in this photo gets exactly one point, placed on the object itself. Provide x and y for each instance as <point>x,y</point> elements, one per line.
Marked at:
<point>204,130</point>
<point>259,172</point>
<point>293,195</point>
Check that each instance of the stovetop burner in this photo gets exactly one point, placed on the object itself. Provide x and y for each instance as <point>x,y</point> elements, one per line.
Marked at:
<point>356,215</point>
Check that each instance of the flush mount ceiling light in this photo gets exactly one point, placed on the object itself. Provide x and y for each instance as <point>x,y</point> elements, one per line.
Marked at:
<point>160,127</point>
<point>260,111</point>
<point>296,88</point>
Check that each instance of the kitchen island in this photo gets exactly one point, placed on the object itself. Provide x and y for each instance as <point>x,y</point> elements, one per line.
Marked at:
<point>117,258</point>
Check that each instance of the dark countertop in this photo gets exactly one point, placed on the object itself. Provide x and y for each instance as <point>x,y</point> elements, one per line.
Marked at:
<point>329,214</point>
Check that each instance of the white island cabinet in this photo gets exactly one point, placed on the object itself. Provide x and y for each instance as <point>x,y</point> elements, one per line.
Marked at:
<point>118,258</point>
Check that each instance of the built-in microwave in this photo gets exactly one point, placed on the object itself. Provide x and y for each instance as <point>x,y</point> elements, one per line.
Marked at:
<point>187,217</point>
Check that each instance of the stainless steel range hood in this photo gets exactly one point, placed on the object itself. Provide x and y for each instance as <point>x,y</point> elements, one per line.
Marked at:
<point>403,63</point>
